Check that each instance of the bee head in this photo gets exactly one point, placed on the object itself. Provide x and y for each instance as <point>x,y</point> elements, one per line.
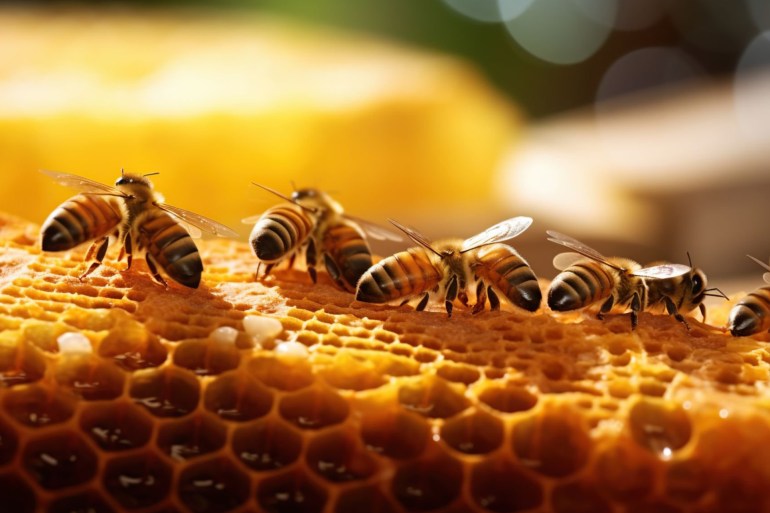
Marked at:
<point>304,194</point>
<point>134,185</point>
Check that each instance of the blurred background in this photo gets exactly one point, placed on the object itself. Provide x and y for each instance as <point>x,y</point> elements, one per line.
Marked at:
<point>639,126</point>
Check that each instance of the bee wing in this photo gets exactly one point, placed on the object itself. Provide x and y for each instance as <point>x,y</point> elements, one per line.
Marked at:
<point>374,230</point>
<point>251,219</point>
<point>82,184</point>
<point>579,247</point>
<point>504,230</point>
<point>661,272</point>
<point>413,234</point>
<point>564,260</point>
<point>198,221</point>
<point>764,266</point>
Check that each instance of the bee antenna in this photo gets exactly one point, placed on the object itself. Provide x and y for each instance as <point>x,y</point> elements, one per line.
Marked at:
<point>290,200</point>
<point>293,186</point>
<point>122,172</point>
<point>151,174</point>
<point>720,293</point>
<point>689,259</point>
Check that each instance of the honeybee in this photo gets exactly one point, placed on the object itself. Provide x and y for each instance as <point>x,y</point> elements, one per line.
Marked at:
<point>134,214</point>
<point>752,313</point>
<point>447,269</point>
<point>587,277</point>
<point>314,224</point>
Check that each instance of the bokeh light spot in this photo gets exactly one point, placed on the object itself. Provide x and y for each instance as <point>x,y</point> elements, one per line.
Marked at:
<point>752,103</point>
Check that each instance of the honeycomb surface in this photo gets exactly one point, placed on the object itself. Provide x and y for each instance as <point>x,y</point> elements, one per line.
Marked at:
<point>388,410</point>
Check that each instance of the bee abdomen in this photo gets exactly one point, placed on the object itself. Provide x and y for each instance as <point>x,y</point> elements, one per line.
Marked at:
<point>502,267</point>
<point>173,248</point>
<point>751,314</point>
<point>349,251</point>
<point>79,219</point>
<point>578,286</point>
<point>404,274</point>
<point>279,231</point>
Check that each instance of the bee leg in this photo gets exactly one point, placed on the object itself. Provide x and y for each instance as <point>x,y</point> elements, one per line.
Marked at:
<point>310,259</point>
<point>481,298</point>
<point>100,248</point>
<point>671,309</point>
<point>334,271</point>
<point>256,274</point>
<point>494,301</point>
<point>702,309</point>
<point>451,294</point>
<point>422,304</point>
<point>462,295</point>
<point>636,306</point>
<point>606,307</point>
<point>405,301</point>
<point>128,248</point>
<point>291,260</point>
<point>154,270</point>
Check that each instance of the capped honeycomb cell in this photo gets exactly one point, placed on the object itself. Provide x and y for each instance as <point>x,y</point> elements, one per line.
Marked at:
<point>191,437</point>
<point>15,495</point>
<point>137,481</point>
<point>474,433</point>
<point>395,433</point>
<point>428,483</point>
<point>339,456</point>
<point>116,426</point>
<point>84,502</point>
<point>281,373</point>
<point>498,485</point>
<point>291,492</point>
<point>38,406</point>
<point>90,377</point>
<point>314,408</point>
<point>237,396</point>
<point>213,486</point>
<point>59,460</point>
<point>165,393</point>
<point>266,445</point>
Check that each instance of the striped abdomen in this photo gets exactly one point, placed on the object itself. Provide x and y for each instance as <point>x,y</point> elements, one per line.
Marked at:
<point>78,220</point>
<point>349,252</point>
<point>280,231</point>
<point>171,247</point>
<point>751,314</point>
<point>503,268</point>
<point>402,275</point>
<point>580,285</point>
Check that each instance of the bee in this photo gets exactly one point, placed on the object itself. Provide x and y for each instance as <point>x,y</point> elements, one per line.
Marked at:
<point>134,214</point>
<point>314,224</point>
<point>587,277</point>
<point>752,313</point>
<point>451,269</point>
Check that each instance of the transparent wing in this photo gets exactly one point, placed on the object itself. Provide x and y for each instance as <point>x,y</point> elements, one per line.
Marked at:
<point>413,234</point>
<point>374,230</point>
<point>661,272</point>
<point>579,247</point>
<point>564,260</point>
<point>251,219</point>
<point>82,184</point>
<point>505,230</point>
<point>199,221</point>
<point>764,266</point>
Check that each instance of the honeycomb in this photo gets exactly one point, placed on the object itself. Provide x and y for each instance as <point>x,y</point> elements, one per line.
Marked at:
<point>173,406</point>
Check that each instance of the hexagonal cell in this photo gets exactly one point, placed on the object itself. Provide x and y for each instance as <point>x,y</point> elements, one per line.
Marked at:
<point>132,347</point>
<point>291,492</point>
<point>137,481</point>
<point>660,427</point>
<point>9,442</point>
<point>476,432</point>
<point>339,456</point>
<point>169,392</point>
<point>314,408</point>
<point>427,484</point>
<point>349,372</point>
<point>578,497</point>
<point>194,436</point>
<point>554,443</point>
<point>20,363</point>
<point>282,374</point>
<point>21,499</point>
<point>38,406</point>
<point>432,397</point>
<point>394,433</point>
<point>84,502</point>
<point>206,357</point>
<point>90,377</point>
<point>213,486</point>
<point>365,498</point>
<point>116,426</point>
<point>237,396</point>
<point>464,374</point>
<point>498,485</point>
<point>508,399</point>
<point>624,472</point>
<point>266,445</point>
<point>59,460</point>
